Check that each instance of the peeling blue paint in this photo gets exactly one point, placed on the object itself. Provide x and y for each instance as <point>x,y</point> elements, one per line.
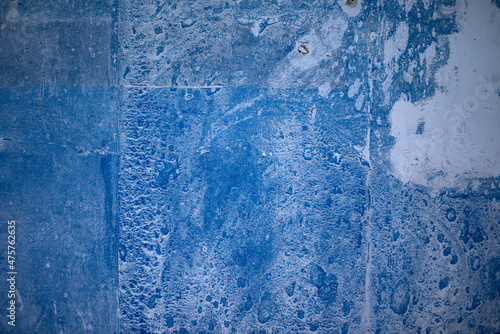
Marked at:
<point>229,167</point>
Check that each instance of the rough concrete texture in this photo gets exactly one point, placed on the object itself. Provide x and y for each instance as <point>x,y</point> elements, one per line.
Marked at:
<point>251,166</point>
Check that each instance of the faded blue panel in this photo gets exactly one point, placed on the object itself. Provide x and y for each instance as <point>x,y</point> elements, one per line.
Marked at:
<point>241,210</point>
<point>58,43</point>
<point>59,165</point>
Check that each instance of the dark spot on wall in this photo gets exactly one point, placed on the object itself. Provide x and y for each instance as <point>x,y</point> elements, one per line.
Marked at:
<point>465,232</point>
<point>126,72</point>
<point>334,158</point>
<point>240,282</point>
<point>420,128</point>
<point>170,321</point>
<point>447,251</point>
<point>327,292</point>
<point>290,289</point>
<point>248,303</point>
<point>443,283</point>
<point>494,277</point>
<point>170,172</point>
<point>346,307</point>
<point>477,236</point>
<point>476,301</point>
<point>123,253</point>
<point>165,230</point>
<point>313,327</point>
<point>211,324</point>
<point>325,283</point>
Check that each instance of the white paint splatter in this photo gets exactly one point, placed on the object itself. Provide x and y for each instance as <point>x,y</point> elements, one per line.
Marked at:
<point>359,101</point>
<point>354,89</point>
<point>324,90</point>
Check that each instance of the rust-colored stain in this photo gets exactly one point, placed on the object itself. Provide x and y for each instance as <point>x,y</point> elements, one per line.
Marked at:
<point>303,49</point>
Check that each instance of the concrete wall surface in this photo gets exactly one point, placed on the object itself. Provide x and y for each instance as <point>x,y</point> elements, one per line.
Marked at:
<point>250,166</point>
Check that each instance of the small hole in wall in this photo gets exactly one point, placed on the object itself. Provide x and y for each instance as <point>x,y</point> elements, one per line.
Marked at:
<point>303,49</point>
<point>351,3</point>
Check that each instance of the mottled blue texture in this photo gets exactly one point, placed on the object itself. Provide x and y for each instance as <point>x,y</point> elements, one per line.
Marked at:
<point>193,43</point>
<point>59,165</point>
<point>58,43</point>
<point>59,159</point>
<point>232,203</point>
<point>184,167</point>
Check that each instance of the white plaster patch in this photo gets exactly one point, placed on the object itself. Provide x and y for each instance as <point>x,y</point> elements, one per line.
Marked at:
<point>324,90</point>
<point>453,137</point>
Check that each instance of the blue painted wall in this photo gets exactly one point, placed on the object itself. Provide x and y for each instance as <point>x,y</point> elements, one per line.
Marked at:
<point>59,112</point>
<point>228,167</point>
